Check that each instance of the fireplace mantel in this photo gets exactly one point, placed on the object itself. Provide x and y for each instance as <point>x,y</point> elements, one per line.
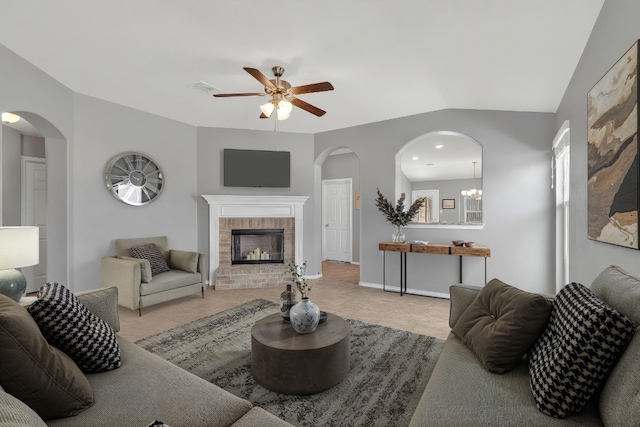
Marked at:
<point>231,206</point>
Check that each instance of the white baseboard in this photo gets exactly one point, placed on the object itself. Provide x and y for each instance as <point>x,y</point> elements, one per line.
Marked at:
<point>409,290</point>
<point>313,276</point>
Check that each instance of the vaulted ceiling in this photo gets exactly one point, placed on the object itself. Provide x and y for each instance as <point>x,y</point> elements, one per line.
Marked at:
<point>385,58</point>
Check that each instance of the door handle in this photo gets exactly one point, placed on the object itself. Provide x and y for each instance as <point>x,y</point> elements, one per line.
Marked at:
<point>326,225</point>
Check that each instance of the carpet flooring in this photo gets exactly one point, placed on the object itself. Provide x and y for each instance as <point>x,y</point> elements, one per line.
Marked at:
<point>389,368</point>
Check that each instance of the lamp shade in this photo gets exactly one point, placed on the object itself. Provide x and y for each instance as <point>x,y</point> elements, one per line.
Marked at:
<point>267,108</point>
<point>19,247</point>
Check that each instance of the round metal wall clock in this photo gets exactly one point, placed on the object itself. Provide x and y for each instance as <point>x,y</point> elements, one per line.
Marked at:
<point>134,178</point>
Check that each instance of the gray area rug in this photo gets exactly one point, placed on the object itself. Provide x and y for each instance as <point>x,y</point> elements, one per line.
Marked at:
<point>389,368</point>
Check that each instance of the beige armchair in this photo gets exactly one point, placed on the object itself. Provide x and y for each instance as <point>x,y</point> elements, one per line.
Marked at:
<point>137,288</point>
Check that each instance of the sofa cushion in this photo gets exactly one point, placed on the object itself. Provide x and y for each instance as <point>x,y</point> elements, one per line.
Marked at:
<point>181,260</point>
<point>148,388</point>
<point>38,374</point>
<point>502,324</point>
<point>14,413</point>
<point>103,303</point>
<point>68,325</point>
<point>170,280</point>
<point>461,393</point>
<point>620,397</point>
<point>145,268</point>
<point>572,358</point>
<point>152,253</point>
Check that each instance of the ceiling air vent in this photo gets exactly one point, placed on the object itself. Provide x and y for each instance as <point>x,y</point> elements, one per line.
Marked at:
<point>205,88</point>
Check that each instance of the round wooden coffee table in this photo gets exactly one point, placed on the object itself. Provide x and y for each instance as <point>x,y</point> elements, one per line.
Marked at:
<point>285,361</point>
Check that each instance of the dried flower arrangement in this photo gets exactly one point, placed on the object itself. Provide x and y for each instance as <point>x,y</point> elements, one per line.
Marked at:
<point>398,216</point>
<point>297,277</point>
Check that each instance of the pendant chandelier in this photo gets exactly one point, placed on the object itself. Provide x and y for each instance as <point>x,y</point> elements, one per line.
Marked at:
<point>473,193</point>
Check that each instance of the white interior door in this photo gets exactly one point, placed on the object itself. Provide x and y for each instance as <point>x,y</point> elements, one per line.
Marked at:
<point>336,203</point>
<point>34,212</point>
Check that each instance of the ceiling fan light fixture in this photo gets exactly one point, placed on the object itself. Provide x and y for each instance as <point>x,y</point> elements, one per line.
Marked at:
<point>8,118</point>
<point>282,116</point>
<point>285,107</point>
<point>267,108</point>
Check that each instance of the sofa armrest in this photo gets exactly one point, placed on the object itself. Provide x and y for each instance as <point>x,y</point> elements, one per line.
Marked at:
<point>461,296</point>
<point>126,276</point>
<point>202,267</point>
<point>192,262</point>
<point>103,303</point>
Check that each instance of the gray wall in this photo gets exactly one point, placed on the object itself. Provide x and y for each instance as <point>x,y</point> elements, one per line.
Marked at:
<point>48,105</point>
<point>211,142</point>
<point>102,130</point>
<point>342,166</point>
<point>11,177</point>
<point>518,201</point>
<point>15,145</point>
<point>614,32</point>
<point>33,146</point>
<point>449,189</point>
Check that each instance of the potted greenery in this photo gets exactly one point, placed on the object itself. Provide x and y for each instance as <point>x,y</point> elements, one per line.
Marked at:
<point>397,215</point>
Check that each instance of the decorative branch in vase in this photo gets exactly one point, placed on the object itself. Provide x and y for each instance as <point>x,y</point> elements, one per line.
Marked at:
<point>397,215</point>
<point>297,278</point>
<point>305,315</point>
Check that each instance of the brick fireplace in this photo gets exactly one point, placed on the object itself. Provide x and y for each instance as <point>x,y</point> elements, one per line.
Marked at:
<point>260,213</point>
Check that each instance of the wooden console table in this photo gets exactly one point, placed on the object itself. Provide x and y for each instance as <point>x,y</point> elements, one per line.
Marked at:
<point>429,248</point>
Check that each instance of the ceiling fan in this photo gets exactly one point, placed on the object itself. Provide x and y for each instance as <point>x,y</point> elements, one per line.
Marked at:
<point>282,94</point>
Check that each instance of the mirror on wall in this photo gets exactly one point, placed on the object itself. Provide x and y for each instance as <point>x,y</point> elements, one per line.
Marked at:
<point>446,169</point>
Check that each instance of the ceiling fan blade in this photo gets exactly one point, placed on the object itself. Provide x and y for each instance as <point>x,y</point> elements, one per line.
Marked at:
<point>307,107</point>
<point>226,95</point>
<point>260,77</point>
<point>263,116</point>
<point>314,87</point>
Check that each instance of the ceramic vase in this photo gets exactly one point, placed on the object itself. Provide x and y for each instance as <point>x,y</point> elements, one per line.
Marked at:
<point>398,235</point>
<point>305,316</point>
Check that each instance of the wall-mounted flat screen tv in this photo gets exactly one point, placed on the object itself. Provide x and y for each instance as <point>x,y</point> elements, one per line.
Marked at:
<point>256,168</point>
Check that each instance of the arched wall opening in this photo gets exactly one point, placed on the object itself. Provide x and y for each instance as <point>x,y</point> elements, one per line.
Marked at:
<point>57,199</point>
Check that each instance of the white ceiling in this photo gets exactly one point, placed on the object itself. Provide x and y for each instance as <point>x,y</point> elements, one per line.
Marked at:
<point>385,58</point>
<point>441,156</point>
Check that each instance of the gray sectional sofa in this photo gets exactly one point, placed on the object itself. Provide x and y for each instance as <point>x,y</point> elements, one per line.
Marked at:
<point>144,389</point>
<point>461,392</point>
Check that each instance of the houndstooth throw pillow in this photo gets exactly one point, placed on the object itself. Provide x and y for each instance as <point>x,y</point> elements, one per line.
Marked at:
<point>577,351</point>
<point>152,253</point>
<point>67,324</point>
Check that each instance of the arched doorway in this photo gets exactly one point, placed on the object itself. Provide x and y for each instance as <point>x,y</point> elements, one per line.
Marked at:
<point>339,213</point>
<point>55,240</point>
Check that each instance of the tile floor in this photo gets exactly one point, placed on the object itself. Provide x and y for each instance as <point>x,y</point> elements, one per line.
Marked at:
<point>337,292</point>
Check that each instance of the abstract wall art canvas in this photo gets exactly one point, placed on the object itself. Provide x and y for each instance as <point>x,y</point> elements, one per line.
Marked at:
<point>612,155</point>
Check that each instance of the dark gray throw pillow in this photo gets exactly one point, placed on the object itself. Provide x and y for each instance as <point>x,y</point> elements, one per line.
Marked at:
<point>67,324</point>
<point>577,351</point>
<point>152,253</point>
<point>502,324</point>
<point>37,373</point>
